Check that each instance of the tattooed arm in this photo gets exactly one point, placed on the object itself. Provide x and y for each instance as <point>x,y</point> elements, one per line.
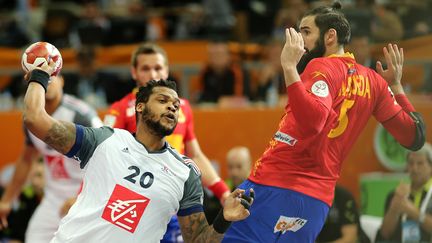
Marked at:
<point>195,228</point>
<point>57,134</point>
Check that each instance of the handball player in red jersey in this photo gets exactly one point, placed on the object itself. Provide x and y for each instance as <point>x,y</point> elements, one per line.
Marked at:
<point>328,106</point>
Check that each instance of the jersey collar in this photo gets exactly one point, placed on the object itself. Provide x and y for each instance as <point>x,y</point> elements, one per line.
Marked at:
<point>346,54</point>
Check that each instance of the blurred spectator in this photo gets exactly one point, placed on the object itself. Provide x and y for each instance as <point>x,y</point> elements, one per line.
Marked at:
<point>98,88</point>
<point>271,82</point>
<point>416,19</point>
<point>239,162</point>
<point>361,47</point>
<point>221,76</point>
<point>123,8</point>
<point>219,18</point>
<point>93,26</point>
<point>343,222</point>
<point>191,23</point>
<point>287,16</point>
<point>58,26</point>
<point>239,165</point>
<point>257,17</point>
<point>26,204</point>
<point>386,25</point>
<point>408,209</point>
<point>11,34</point>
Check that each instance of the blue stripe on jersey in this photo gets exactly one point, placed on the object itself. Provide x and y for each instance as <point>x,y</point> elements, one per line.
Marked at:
<point>78,141</point>
<point>191,210</point>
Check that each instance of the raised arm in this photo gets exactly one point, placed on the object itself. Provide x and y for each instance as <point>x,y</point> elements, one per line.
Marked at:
<point>407,127</point>
<point>307,109</point>
<point>59,135</point>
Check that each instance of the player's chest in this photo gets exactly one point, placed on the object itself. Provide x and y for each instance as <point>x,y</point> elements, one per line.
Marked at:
<point>155,176</point>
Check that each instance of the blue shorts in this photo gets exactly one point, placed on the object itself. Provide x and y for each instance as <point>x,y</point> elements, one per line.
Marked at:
<point>279,215</point>
<point>173,232</point>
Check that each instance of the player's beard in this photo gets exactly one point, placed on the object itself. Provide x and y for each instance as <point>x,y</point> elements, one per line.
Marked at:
<point>155,125</point>
<point>318,51</point>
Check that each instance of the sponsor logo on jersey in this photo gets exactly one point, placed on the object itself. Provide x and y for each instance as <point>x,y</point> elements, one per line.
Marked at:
<point>125,208</point>
<point>167,170</point>
<point>285,138</point>
<point>56,167</point>
<point>125,150</point>
<point>320,88</point>
<point>285,224</point>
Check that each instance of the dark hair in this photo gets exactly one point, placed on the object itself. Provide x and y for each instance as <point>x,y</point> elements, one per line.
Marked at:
<point>145,91</point>
<point>329,17</point>
<point>148,48</point>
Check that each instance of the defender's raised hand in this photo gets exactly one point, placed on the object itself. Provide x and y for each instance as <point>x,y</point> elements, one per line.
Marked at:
<point>394,57</point>
<point>293,49</point>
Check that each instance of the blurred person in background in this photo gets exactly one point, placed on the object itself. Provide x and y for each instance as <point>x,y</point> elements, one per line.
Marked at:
<point>63,175</point>
<point>343,220</point>
<point>25,205</point>
<point>239,161</point>
<point>150,62</point>
<point>386,24</point>
<point>222,76</point>
<point>408,209</point>
<point>96,87</point>
<point>361,47</point>
<point>270,78</point>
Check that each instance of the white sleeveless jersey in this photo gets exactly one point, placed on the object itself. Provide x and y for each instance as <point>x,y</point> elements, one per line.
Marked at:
<point>62,174</point>
<point>129,194</point>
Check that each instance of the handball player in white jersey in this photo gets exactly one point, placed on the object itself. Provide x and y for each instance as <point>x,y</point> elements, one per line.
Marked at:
<point>63,176</point>
<point>132,183</point>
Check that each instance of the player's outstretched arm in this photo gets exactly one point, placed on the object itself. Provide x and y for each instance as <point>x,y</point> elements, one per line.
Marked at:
<point>408,127</point>
<point>195,228</point>
<point>59,135</point>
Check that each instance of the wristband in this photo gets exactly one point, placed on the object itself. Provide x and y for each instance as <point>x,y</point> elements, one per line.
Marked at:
<point>221,225</point>
<point>219,188</point>
<point>40,77</point>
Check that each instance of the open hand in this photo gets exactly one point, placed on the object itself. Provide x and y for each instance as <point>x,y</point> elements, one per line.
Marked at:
<point>394,57</point>
<point>293,49</point>
<point>237,205</point>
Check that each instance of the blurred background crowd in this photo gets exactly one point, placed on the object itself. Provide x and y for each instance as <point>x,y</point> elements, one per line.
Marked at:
<point>244,41</point>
